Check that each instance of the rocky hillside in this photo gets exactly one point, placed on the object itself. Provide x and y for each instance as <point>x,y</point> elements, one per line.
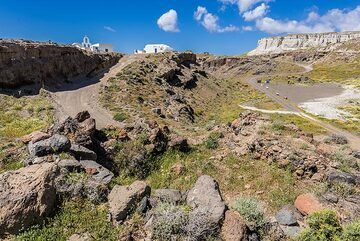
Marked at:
<point>325,41</point>
<point>45,63</point>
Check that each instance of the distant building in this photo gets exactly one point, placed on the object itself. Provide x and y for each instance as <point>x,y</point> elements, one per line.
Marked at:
<point>154,48</point>
<point>102,48</point>
<point>96,48</point>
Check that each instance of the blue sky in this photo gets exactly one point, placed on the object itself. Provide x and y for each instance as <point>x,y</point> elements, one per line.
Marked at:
<point>220,26</point>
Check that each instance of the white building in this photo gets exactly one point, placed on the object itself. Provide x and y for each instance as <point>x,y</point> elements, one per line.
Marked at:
<point>154,48</point>
<point>101,48</point>
<point>96,48</point>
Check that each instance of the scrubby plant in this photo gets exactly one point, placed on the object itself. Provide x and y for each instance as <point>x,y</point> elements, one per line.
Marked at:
<point>323,226</point>
<point>75,217</point>
<point>168,221</point>
<point>199,226</point>
<point>351,231</point>
<point>212,142</point>
<point>278,125</point>
<point>251,209</point>
<point>119,116</point>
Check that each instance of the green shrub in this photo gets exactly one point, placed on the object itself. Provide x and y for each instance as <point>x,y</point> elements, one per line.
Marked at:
<point>212,142</point>
<point>351,232</point>
<point>251,209</point>
<point>119,116</point>
<point>278,125</point>
<point>74,217</point>
<point>169,222</point>
<point>323,226</point>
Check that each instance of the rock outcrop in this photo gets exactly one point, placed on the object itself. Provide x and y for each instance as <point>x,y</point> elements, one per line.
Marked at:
<point>205,198</point>
<point>45,63</point>
<point>323,41</point>
<point>123,199</point>
<point>27,197</point>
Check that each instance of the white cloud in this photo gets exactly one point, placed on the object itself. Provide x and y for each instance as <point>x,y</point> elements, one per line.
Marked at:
<point>247,28</point>
<point>108,28</point>
<point>244,5</point>
<point>256,13</point>
<point>169,21</point>
<point>211,21</point>
<point>333,20</point>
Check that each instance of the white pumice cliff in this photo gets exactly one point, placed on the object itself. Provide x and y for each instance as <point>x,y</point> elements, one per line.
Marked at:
<point>281,44</point>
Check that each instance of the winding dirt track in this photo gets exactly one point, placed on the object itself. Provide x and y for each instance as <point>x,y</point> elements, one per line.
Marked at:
<point>83,95</point>
<point>292,108</point>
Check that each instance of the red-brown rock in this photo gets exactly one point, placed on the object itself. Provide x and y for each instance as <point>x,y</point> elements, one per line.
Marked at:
<point>234,227</point>
<point>308,203</point>
<point>35,137</point>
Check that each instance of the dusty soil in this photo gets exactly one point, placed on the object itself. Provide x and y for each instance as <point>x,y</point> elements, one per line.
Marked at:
<point>83,94</point>
<point>301,93</point>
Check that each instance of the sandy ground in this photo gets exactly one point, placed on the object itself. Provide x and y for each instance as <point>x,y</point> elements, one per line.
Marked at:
<point>321,99</point>
<point>301,93</point>
<point>83,94</point>
<point>336,94</point>
<point>328,107</point>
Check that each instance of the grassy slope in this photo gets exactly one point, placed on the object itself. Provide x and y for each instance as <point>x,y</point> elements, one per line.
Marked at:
<point>18,117</point>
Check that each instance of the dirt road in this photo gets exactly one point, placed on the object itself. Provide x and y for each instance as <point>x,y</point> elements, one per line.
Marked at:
<point>83,94</point>
<point>292,108</point>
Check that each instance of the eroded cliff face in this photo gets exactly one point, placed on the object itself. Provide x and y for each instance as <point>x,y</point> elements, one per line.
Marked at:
<point>44,63</point>
<point>294,42</point>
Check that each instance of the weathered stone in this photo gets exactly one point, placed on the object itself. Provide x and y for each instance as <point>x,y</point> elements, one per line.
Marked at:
<point>55,144</point>
<point>330,197</point>
<point>178,168</point>
<point>338,176</point>
<point>70,164</point>
<point>205,197</point>
<point>308,204</point>
<point>27,197</point>
<point>123,199</point>
<point>82,153</point>
<point>83,115</point>
<point>356,154</point>
<point>80,237</point>
<point>288,215</point>
<point>88,126</point>
<point>178,143</point>
<point>35,137</point>
<point>291,231</point>
<point>98,173</point>
<point>234,227</point>
<point>168,195</point>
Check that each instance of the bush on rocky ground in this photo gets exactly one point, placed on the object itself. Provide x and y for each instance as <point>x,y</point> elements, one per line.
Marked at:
<point>172,222</point>
<point>325,226</point>
<point>251,210</point>
<point>168,221</point>
<point>212,142</point>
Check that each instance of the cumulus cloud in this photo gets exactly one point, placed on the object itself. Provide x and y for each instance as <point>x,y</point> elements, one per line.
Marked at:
<point>244,5</point>
<point>211,21</point>
<point>256,13</point>
<point>247,28</point>
<point>169,21</point>
<point>333,20</point>
<point>108,28</point>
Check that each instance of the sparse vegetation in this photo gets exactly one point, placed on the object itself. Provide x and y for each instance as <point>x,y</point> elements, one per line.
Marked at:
<point>212,142</point>
<point>18,117</point>
<point>74,217</point>
<point>119,116</point>
<point>252,210</point>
